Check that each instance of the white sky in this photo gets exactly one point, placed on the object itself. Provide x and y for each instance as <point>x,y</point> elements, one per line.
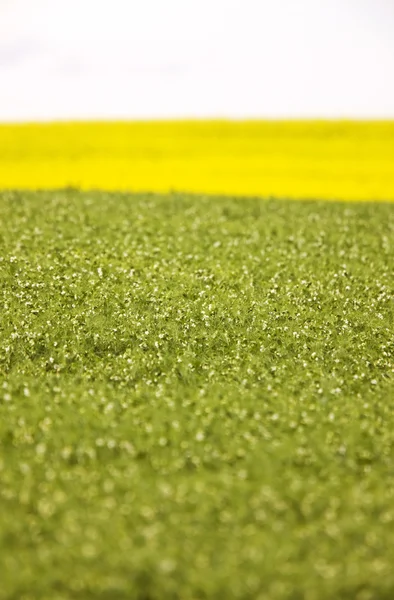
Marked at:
<point>64,59</point>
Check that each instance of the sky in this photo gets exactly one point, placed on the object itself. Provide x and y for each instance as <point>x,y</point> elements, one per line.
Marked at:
<point>147,59</point>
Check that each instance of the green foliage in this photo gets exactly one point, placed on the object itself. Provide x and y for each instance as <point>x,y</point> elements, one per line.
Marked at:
<point>196,398</point>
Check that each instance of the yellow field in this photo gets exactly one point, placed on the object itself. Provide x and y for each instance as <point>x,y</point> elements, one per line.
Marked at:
<point>328,160</point>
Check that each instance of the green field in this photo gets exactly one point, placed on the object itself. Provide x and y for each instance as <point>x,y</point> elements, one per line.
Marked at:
<point>196,398</point>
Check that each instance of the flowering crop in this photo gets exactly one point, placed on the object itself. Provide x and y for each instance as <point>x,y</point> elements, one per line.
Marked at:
<point>196,398</point>
<point>326,160</point>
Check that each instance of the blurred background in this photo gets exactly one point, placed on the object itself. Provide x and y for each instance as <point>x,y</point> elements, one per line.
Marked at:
<point>133,59</point>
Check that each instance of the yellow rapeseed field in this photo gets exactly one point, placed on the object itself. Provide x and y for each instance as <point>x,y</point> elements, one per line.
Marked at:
<point>328,160</point>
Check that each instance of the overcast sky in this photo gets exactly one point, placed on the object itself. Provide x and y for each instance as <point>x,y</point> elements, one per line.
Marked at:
<point>65,59</point>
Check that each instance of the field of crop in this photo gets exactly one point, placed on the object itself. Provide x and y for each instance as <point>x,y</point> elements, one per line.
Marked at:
<point>327,160</point>
<point>196,398</point>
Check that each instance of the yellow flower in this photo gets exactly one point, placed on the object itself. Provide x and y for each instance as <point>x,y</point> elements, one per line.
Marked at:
<point>328,160</point>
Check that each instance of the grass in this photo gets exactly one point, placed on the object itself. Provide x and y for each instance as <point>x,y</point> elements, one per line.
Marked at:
<point>327,160</point>
<point>196,398</point>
